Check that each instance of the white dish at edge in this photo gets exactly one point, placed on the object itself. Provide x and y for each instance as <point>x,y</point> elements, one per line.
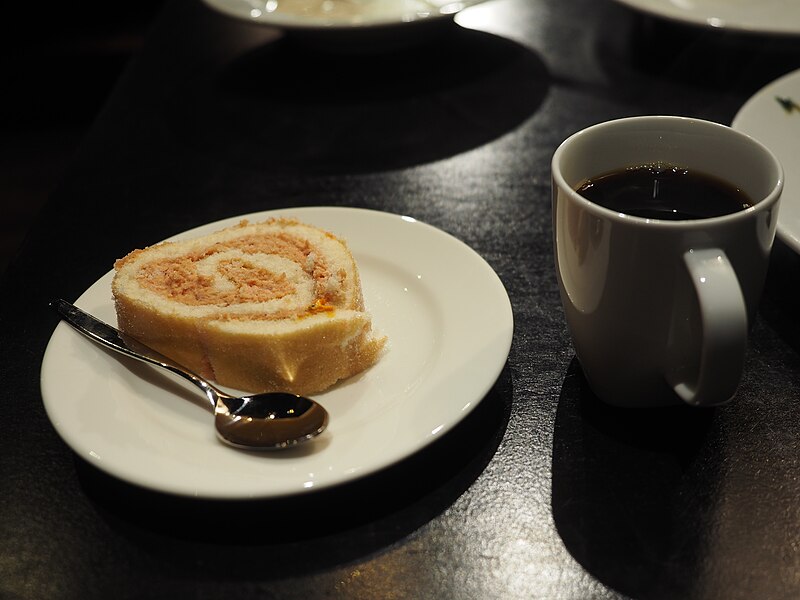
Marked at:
<point>765,118</point>
<point>775,17</point>
<point>449,323</point>
<point>339,14</point>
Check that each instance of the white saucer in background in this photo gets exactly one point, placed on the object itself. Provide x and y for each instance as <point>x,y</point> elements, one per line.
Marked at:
<point>772,116</point>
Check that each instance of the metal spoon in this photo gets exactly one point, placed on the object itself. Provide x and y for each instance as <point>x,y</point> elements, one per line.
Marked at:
<point>258,422</point>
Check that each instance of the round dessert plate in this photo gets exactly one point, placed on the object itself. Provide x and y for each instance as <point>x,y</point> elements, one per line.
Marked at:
<point>772,116</point>
<point>339,14</point>
<point>449,323</point>
<point>771,17</point>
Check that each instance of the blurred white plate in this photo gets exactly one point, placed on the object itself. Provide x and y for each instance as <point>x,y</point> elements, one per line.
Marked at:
<point>772,116</point>
<point>449,323</point>
<point>339,14</point>
<point>779,17</point>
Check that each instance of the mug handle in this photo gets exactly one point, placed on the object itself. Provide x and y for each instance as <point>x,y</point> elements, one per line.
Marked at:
<point>723,317</point>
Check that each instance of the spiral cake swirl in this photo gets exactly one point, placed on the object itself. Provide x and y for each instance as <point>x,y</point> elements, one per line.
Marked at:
<point>272,306</point>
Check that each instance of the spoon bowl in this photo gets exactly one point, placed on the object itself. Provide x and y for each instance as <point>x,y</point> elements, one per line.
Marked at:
<point>268,421</point>
<point>265,421</point>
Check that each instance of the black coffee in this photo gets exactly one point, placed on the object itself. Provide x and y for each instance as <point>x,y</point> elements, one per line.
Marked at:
<point>664,192</point>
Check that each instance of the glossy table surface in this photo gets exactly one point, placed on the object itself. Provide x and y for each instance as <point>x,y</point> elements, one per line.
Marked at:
<point>541,492</point>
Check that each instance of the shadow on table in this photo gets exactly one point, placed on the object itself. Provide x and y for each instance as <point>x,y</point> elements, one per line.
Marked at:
<point>631,490</point>
<point>656,58</point>
<point>289,106</point>
<point>778,304</point>
<point>302,534</point>
<point>712,57</point>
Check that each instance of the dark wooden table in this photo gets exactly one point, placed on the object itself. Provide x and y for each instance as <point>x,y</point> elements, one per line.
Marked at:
<point>541,492</point>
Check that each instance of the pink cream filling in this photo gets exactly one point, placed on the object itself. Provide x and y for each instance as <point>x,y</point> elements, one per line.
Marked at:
<point>178,278</point>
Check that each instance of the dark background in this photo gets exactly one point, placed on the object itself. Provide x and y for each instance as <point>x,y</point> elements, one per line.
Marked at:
<point>58,63</point>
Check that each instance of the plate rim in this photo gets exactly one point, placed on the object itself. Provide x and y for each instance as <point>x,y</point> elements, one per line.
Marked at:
<point>688,17</point>
<point>788,236</point>
<point>487,382</point>
<point>310,24</point>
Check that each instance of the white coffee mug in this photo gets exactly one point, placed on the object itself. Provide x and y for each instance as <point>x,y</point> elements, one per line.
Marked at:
<point>658,310</point>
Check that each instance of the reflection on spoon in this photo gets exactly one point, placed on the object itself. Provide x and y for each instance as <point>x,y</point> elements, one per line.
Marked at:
<point>259,422</point>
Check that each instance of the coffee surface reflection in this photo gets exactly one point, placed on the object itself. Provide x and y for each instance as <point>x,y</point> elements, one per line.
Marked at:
<point>667,192</point>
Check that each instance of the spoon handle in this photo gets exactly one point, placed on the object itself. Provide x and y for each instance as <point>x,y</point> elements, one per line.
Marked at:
<point>106,335</point>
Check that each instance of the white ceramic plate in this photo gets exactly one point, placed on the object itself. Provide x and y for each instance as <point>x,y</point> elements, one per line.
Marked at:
<point>773,17</point>
<point>772,116</point>
<point>449,323</point>
<point>339,14</point>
